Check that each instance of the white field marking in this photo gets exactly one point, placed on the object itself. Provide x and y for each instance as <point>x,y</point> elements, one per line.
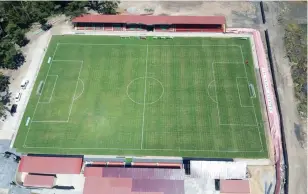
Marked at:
<point>71,106</point>
<point>234,124</point>
<point>242,78</point>
<point>181,45</point>
<point>248,84</point>
<point>28,120</point>
<point>253,106</point>
<point>145,148</point>
<point>49,121</point>
<point>81,91</point>
<point>54,86</point>
<point>94,44</point>
<point>216,92</point>
<point>228,62</point>
<point>202,45</point>
<point>185,150</point>
<point>208,86</point>
<point>80,61</point>
<point>144,94</point>
<point>54,53</point>
<point>231,124</point>
<point>127,89</point>
<point>238,91</point>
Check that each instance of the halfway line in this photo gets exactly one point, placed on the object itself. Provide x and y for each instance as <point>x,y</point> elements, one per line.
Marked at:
<point>145,92</point>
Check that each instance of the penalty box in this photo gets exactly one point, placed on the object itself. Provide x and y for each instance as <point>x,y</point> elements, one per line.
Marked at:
<point>58,91</point>
<point>232,94</point>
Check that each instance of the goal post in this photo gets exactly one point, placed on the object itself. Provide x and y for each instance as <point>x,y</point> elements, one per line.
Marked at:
<point>252,91</point>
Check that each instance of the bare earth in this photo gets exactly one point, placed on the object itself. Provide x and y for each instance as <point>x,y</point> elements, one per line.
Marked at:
<point>238,14</point>
<point>297,155</point>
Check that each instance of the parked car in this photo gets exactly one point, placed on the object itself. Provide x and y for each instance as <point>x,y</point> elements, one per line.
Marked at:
<point>24,84</point>
<point>18,97</point>
<point>46,27</point>
<point>13,109</point>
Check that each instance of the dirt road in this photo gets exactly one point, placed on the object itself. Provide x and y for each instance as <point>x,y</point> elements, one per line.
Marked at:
<point>297,155</point>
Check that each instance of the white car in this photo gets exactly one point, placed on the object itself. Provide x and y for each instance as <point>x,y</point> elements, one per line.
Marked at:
<point>18,97</point>
<point>24,84</point>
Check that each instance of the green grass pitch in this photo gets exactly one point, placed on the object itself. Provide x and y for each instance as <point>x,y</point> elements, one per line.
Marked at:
<point>176,97</point>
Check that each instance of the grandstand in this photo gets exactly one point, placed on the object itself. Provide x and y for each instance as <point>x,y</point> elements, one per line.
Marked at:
<point>151,23</point>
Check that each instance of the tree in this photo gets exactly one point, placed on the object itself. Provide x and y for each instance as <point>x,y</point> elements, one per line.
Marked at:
<point>42,21</point>
<point>95,5</point>
<point>16,34</point>
<point>4,82</point>
<point>105,7</point>
<point>16,17</point>
<point>9,56</point>
<point>2,110</point>
<point>75,8</point>
<point>296,46</point>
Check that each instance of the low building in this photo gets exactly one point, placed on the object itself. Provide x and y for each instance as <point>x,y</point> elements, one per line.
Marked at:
<point>74,175</point>
<point>150,23</point>
<point>50,172</point>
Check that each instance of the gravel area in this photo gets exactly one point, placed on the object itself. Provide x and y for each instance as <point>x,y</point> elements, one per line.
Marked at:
<point>7,167</point>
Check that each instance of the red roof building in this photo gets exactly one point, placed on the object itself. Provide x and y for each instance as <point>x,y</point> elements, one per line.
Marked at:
<point>93,171</point>
<point>150,23</point>
<point>107,185</point>
<point>50,165</point>
<point>234,187</point>
<point>39,181</point>
<point>117,180</point>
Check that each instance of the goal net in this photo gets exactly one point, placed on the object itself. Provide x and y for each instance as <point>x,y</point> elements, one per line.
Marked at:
<point>252,90</point>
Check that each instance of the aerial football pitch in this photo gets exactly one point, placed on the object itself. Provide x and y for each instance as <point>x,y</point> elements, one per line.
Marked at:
<point>107,95</point>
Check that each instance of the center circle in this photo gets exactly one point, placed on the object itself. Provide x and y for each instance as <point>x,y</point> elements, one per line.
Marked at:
<point>145,90</point>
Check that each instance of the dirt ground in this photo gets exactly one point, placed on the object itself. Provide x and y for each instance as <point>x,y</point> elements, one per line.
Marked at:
<point>238,14</point>
<point>297,155</point>
<point>261,179</point>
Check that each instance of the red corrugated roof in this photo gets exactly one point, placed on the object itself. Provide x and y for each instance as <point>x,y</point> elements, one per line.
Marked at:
<point>39,181</point>
<point>116,163</point>
<point>150,20</point>
<point>164,164</point>
<point>93,171</point>
<point>99,163</point>
<point>235,186</point>
<point>147,193</point>
<point>50,165</point>
<point>144,164</point>
<point>107,185</point>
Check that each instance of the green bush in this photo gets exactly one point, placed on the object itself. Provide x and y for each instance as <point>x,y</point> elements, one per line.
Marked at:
<point>296,46</point>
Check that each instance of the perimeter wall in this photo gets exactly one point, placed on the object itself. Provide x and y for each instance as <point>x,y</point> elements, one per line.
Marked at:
<point>271,106</point>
